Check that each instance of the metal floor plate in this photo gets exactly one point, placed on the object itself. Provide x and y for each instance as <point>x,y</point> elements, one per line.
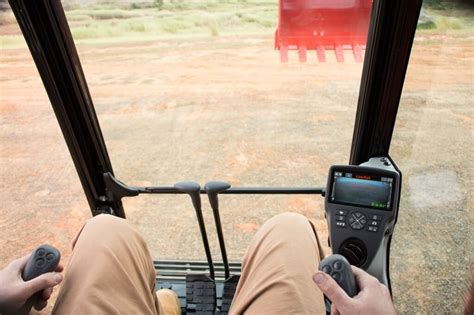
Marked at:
<point>171,274</point>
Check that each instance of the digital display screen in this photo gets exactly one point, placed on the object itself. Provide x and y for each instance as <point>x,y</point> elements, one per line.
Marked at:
<point>362,190</point>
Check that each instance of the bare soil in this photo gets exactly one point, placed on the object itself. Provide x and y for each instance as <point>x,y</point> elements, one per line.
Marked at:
<point>225,108</point>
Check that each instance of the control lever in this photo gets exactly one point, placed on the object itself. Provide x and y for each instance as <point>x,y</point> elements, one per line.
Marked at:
<point>340,270</point>
<point>44,259</point>
<point>193,189</point>
<point>212,190</point>
<point>230,284</point>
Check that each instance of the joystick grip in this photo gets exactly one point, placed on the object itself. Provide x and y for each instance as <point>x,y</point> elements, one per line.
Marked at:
<point>44,259</point>
<point>340,270</point>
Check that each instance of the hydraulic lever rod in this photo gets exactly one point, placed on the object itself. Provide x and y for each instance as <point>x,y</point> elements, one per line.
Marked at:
<point>193,190</point>
<point>213,189</point>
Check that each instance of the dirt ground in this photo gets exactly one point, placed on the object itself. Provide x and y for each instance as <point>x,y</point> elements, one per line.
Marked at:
<point>226,108</point>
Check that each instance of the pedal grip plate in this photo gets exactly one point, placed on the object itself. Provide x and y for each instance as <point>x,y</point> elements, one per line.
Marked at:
<point>200,294</point>
<point>230,285</point>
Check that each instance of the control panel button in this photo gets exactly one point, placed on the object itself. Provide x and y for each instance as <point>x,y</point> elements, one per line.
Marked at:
<point>373,228</point>
<point>341,212</point>
<point>39,262</point>
<point>357,220</point>
<point>374,223</point>
<point>326,269</point>
<point>341,223</point>
<point>356,226</point>
<point>376,217</point>
<point>341,218</point>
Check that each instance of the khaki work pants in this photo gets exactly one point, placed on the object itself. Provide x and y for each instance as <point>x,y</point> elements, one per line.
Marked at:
<point>111,271</point>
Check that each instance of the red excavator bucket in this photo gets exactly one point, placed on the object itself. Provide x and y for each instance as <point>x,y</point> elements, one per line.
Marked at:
<point>320,25</point>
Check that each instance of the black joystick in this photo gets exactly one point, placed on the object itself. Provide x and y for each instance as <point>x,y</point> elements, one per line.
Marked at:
<point>43,260</point>
<point>340,270</point>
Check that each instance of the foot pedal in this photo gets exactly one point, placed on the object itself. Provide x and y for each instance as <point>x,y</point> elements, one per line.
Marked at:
<point>230,285</point>
<point>200,294</point>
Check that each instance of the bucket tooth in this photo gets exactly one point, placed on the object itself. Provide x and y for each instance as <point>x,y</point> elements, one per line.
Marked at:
<point>302,53</point>
<point>284,54</point>
<point>339,53</point>
<point>357,49</point>
<point>321,53</point>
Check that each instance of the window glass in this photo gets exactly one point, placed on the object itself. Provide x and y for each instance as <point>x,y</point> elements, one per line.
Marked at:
<point>189,91</point>
<point>433,146</point>
<point>196,91</point>
<point>42,198</point>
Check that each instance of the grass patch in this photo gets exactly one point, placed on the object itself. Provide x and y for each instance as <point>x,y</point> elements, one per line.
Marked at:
<point>443,15</point>
<point>449,23</point>
<point>443,22</point>
<point>101,14</point>
<point>177,26</point>
<point>428,25</point>
<point>79,18</point>
<point>201,18</point>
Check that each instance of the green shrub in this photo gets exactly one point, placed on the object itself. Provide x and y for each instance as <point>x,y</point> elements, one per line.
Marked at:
<point>427,25</point>
<point>176,26</point>
<point>158,3</point>
<point>250,19</point>
<point>449,23</point>
<point>213,29</point>
<point>110,14</point>
<point>137,27</point>
<point>267,23</point>
<point>84,32</point>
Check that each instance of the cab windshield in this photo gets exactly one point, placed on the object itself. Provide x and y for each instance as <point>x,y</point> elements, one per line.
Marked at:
<point>213,90</point>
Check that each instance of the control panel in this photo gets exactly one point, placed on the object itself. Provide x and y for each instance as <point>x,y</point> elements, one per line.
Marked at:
<point>361,204</point>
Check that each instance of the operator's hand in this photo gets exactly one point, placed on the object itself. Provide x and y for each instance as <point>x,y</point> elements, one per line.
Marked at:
<point>373,297</point>
<point>14,292</point>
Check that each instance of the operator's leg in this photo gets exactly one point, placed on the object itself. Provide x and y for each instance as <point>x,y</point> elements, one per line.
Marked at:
<point>110,271</point>
<point>278,267</point>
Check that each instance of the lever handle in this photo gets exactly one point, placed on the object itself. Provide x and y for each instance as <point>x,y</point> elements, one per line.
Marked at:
<point>194,191</point>
<point>44,259</point>
<point>188,187</point>
<point>212,189</point>
<point>216,187</point>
